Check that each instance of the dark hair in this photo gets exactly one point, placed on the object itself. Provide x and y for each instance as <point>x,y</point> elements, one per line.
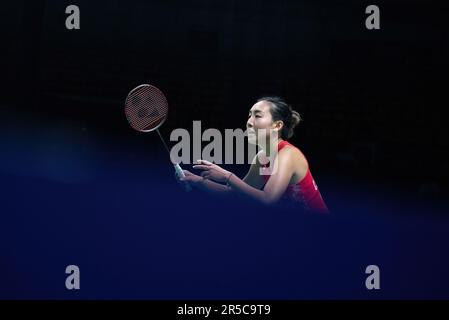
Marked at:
<point>280,110</point>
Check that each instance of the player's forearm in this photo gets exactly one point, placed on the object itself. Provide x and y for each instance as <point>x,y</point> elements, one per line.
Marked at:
<point>241,187</point>
<point>213,187</point>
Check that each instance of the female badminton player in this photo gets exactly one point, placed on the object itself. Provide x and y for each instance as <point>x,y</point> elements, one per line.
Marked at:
<point>290,181</point>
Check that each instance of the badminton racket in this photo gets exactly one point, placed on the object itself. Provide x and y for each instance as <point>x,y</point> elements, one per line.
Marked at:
<point>146,109</point>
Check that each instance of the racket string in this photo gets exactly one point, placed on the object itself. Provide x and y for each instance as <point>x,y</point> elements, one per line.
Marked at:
<point>146,108</point>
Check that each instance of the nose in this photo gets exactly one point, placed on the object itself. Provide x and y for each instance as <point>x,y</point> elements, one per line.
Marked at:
<point>249,124</point>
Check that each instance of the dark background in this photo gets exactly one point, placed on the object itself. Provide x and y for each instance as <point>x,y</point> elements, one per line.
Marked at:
<point>79,185</point>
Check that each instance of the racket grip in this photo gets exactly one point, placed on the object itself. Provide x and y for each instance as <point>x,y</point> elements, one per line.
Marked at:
<point>180,173</point>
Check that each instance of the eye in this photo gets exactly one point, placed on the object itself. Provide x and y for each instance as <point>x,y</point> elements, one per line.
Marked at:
<point>258,116</point>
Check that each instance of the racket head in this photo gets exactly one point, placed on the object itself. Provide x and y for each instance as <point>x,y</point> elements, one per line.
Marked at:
<point>146,108</point>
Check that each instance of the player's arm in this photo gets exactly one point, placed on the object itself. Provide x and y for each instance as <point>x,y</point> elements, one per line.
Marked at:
<point>253,178</point>
<point>277,184</point>
<point>204,184</point>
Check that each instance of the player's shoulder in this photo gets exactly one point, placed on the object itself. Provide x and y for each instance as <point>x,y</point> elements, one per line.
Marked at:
<point>290,152</point>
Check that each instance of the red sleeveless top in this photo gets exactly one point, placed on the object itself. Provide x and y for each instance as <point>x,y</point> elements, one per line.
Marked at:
<point>305,192</point>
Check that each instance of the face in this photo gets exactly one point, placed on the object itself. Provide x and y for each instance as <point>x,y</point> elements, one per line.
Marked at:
<point>260,123</point>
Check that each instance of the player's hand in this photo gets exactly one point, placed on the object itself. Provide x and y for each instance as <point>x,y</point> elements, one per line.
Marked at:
<point>189,178</point>
<point>212,171</point>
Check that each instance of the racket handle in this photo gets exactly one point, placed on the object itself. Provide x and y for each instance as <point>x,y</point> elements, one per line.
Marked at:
<point>181,174</point>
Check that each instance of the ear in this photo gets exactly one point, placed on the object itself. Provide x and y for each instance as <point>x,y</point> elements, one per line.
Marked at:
<point>278,125</point>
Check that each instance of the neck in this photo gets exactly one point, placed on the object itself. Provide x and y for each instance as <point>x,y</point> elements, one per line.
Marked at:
<point>272,146</point>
